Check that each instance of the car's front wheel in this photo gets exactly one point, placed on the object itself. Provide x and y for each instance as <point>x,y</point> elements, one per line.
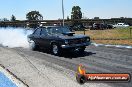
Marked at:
<point>82,49</point>
<point>32,45</point>
<point>55,49</point>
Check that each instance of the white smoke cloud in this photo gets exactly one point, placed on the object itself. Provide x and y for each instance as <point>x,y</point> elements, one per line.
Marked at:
<point>14,37</point>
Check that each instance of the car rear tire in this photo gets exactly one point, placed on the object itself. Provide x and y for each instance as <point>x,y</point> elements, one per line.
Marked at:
<point>55,49</point>
<point>32,45</point>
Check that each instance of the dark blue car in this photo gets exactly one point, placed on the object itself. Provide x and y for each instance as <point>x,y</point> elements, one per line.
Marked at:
<point>57,39</point>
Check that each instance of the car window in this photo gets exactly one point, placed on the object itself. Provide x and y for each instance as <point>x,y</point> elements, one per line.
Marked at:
<point>49,30</point>
<point>37,32</point>
<point>44,32</point>
<point>65,29</point>
<point>57,30</point>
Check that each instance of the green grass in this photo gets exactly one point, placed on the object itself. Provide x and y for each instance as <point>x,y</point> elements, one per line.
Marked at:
<point>111,36</point>
<point>122,33</point>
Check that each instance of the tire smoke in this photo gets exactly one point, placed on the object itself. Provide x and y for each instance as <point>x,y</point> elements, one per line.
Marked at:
<point>14,37</point>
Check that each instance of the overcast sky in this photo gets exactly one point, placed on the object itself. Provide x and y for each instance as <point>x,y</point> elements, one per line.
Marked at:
<point>51,9</point>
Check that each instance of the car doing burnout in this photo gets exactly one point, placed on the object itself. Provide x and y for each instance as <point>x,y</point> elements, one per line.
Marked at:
<point>57,39</point>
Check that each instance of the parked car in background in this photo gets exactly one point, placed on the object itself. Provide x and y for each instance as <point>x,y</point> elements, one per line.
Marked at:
<point>130,24</point>
<point>77,27</point>
<point>119,25</point>
<point>101,26</point>
<point>110,26</point>
<point>56,39</point>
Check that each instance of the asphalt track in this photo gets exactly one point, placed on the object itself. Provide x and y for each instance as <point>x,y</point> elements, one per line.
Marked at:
<point>95,59</point>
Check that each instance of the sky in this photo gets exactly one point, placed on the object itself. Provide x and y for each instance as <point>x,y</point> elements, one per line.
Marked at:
<point>51,9</point>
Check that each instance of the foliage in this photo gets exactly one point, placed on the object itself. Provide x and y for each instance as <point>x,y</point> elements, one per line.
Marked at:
<point>4,19</point>
<point>75,15</point>
<point>13,18</point>
<point>68,18</point>
<point>34,16</point>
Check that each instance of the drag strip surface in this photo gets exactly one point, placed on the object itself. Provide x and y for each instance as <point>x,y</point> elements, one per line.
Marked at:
<point>95,59</point>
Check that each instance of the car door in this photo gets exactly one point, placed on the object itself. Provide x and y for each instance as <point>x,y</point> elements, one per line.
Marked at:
<point>36,36</point>
<point>44,38</point>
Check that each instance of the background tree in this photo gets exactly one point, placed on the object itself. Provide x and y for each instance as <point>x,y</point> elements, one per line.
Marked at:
<point>33,17</point>
<point>13,18</point>
<point>76,14</point>
<point>68,18</point>
<point>5,19</point>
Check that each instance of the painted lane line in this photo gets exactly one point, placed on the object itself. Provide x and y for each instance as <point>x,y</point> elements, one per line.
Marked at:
<point>6,76</point>
<point>5,81</point>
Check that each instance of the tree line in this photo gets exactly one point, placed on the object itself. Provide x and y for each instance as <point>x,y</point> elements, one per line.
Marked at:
<point>36,15</point>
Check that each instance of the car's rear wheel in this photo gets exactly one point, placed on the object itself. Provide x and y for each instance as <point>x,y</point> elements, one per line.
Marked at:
<point>55,49</point>
<point>32,45</point>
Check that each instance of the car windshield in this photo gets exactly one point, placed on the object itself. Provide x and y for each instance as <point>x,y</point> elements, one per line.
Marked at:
<point>58,30</point>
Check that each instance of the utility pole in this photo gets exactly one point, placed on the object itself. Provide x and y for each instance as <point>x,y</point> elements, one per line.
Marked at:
<point>63,11</point>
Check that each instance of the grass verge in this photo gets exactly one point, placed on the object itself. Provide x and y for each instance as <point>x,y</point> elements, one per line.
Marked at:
<point>117,36</point>
<point>114,42</point>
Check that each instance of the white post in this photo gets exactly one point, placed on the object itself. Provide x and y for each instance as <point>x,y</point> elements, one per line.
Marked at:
<point>63,11</point>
